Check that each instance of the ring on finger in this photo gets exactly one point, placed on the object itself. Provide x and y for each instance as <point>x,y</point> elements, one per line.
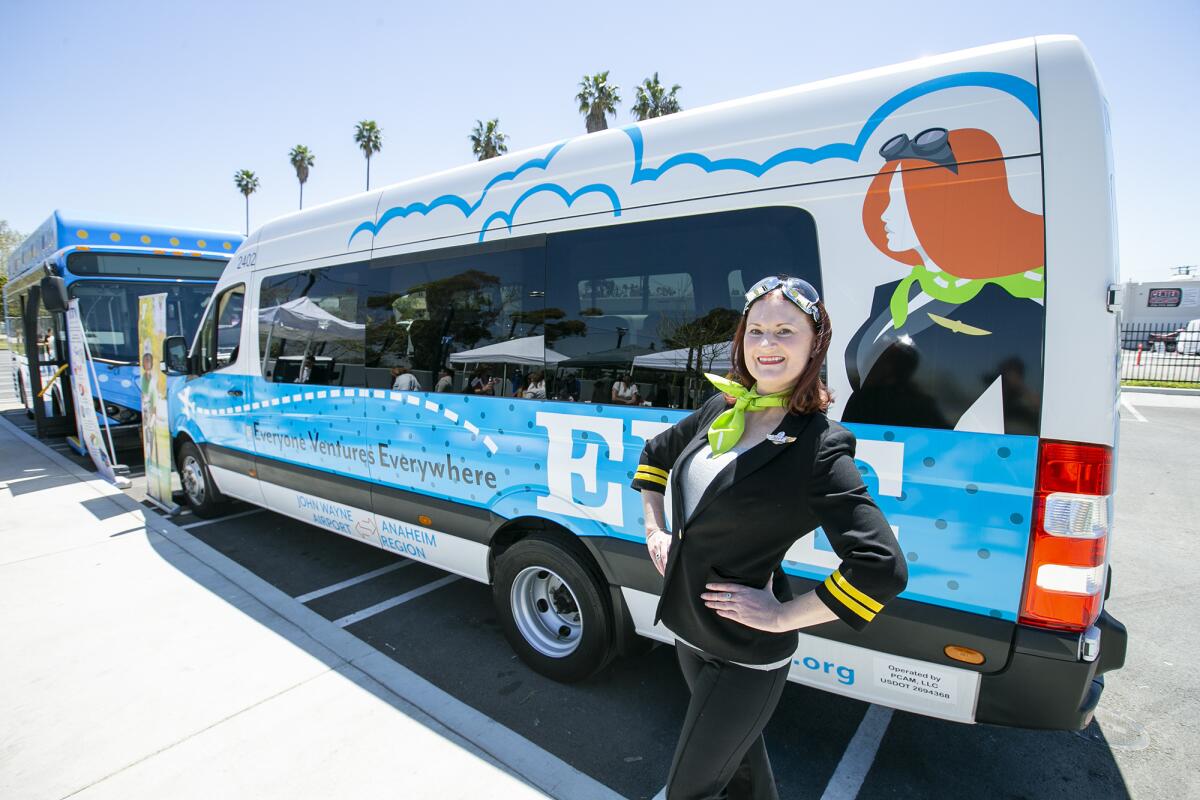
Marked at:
<point>729,595</point>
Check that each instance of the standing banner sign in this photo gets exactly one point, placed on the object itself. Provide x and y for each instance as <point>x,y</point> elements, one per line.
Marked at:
<point>156,438</point>
<point>85,411</point>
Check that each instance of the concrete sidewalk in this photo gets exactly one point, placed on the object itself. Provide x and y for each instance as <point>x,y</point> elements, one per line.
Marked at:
<point>138,663</point>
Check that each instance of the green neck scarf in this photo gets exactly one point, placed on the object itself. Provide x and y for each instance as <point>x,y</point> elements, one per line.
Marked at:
<point>728,428</point>
<point>1028,285</point>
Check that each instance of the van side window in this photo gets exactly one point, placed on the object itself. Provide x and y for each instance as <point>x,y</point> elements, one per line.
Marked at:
<point>438,310</point>
<point>310,327</point>
<point>217,344</point>
<point>646,309</point>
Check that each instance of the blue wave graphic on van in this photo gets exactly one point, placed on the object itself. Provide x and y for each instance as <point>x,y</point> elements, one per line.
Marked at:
<point>1021,89</point>
<point>454,200</point>
<point>568,197</point>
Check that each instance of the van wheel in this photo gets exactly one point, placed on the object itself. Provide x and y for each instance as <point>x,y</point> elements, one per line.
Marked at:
<point>202,494</point>
<point>553,609</point>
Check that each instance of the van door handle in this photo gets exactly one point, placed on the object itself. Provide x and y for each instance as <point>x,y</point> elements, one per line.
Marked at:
<point>234,393</point>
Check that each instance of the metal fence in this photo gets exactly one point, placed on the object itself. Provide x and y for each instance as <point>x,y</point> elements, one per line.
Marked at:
<point>1153,351</point>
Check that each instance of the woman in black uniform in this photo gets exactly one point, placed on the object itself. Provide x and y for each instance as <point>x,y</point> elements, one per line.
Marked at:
<point>753,470</point>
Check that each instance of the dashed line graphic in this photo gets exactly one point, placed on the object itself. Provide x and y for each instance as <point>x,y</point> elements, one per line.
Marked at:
<point>377,394</point>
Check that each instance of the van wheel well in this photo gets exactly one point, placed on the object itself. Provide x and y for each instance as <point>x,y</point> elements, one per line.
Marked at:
<point>517,529</point>
<point>177,443</point>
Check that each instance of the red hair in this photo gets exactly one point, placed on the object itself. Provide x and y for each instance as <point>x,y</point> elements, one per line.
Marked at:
<point>967,223</point>
<point>810,394</point>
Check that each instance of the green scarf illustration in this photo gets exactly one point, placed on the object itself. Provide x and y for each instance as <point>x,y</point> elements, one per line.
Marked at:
<point>959,290</point>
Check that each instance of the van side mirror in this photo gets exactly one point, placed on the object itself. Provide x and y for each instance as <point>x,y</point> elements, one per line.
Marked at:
<point>54,293</point>
<point>174,355</point>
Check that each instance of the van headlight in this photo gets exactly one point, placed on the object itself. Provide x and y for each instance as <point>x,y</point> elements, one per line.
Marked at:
<point>121,414</point>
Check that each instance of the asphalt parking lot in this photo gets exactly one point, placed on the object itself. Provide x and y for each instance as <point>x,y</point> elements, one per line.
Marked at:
<point>620,727</point>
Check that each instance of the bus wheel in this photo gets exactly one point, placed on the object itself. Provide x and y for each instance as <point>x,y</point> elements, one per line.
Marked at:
<point>27,405</point>
<point>553,610</point>
<point>198,486</point>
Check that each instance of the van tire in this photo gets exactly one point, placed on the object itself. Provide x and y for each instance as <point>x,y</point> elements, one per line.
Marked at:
<point>553,609</point>
<point>202,494</point>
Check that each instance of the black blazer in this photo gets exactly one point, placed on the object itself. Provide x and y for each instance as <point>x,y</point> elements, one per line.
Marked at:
<point>741,529</point>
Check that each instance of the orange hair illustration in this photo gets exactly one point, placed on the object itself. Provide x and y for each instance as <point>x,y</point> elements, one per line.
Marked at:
<point>967,222</point>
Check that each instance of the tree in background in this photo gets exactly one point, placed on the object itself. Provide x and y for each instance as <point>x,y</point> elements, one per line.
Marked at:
<point>369,138</point>
<point>9,239</point>
<point>487,141</point>
<point>302,160</point>
<point>247,183</point>
<point>653,100</point>
<point>597,99</point>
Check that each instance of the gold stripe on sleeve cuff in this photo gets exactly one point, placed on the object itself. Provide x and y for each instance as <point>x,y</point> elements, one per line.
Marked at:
<point>848,601</point>
<point>645,476</point>
<point>849,589</point>
<point>662,473</point>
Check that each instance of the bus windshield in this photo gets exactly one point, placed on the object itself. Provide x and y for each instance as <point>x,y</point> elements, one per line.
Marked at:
<point>137,265</point>
<point>109,310</point>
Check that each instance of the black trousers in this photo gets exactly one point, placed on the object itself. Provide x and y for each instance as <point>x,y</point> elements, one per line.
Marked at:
<point>721,753</point>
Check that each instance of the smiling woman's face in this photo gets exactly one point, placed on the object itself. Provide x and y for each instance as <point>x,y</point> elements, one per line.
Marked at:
<point>778,342</point>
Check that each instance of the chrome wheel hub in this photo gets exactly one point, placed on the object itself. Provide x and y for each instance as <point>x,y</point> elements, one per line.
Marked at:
<point>546,612</point>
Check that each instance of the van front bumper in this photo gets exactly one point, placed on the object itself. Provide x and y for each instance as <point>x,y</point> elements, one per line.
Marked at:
<point>1047,683</point>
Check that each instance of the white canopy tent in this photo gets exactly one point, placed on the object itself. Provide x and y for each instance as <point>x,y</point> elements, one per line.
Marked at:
<point>302,318</point>
<point>526,351</point>
<point>712,358</point>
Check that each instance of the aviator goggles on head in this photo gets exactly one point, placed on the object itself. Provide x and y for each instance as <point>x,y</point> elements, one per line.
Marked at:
<point>798,290</point>
<point>931,144</point>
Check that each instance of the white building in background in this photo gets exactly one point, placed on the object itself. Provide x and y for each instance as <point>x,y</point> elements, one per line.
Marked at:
<point>1170,303</point>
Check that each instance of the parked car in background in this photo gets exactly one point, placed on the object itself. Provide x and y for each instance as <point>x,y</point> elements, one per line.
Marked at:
<point>1187,340</point>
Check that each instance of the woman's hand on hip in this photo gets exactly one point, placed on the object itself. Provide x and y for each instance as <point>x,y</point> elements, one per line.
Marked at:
<point>754,608</point>
<point>658,542</point>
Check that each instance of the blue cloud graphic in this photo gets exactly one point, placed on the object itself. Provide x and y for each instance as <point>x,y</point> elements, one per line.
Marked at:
<point>454,200</point>
<point>1021,89</point>
<point>568,197</point>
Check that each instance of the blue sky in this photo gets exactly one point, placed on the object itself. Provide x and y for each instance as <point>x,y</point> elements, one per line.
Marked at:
<point>143,110</point>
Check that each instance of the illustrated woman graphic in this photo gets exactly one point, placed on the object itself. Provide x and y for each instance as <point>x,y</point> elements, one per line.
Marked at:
<point>956,342</point>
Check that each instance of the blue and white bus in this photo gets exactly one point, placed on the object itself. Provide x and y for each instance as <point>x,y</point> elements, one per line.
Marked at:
<point>956,213</point>
<point>107,266</point>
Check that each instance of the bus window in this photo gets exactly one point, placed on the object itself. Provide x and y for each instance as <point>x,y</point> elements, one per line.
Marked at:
<point>219,337</point>
<point>655,304</point>
<point>310,327</point>
<point>421,312</point>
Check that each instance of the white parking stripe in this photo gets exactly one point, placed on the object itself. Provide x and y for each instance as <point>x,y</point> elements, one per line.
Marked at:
<point>191,525</point>
<point>379,608</point>
<point>1137,415</point>
<point>366,576</point>
<point>860,754</point>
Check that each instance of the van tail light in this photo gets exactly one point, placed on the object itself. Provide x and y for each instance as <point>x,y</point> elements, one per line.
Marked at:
<point>1064,585</point>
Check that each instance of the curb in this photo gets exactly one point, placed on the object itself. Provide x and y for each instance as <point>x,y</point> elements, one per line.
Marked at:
<point>1161,390</point>
<point>475,731</point>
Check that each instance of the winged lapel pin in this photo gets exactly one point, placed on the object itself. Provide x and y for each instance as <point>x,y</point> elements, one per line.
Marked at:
<point>780,438</point>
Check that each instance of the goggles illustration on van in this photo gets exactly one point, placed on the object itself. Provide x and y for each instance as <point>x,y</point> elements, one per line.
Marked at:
<point>931,144</point>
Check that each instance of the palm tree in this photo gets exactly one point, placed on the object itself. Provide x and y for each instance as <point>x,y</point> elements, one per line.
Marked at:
<point>302,159</point>
<point>246,182</point>
<point>369,138</point>
<point>655,101</point>
<point>597,99</point>
<point>487,141</point>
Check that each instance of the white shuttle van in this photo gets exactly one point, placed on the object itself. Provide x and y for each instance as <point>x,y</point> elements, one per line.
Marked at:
<point>956,213</point>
